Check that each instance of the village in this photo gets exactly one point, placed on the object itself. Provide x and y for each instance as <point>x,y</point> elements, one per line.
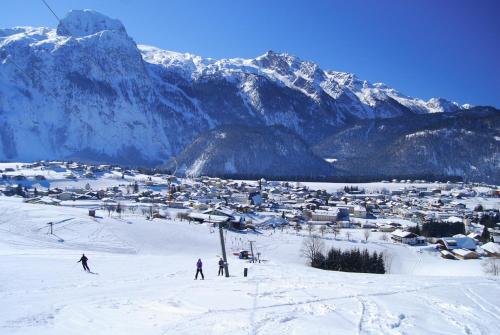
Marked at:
<point>431,246</point>
<point>461,220</point>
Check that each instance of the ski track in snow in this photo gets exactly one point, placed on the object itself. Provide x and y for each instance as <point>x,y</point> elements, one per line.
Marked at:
<point>145,283</point>
<point>484,305</point>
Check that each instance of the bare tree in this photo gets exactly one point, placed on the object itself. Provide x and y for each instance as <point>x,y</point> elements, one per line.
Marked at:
<point>297,227</point>
<point>182,216</point>
<point>348,235</point>
<point>133,209</point>
<point>119,210</point>
<point>167,215</point>
<point>366,234</point>
<point>310,228</point>
<point>385,191</point>
<point>335,232</point>
<point>322,230</point>
<point>312,247</point>
<point>108,209</point>
<point>491,266</point>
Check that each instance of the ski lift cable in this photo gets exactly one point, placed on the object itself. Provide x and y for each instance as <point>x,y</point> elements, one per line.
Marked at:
<point>66,29</point>
<point>53,13</point>
<point>8,58</point>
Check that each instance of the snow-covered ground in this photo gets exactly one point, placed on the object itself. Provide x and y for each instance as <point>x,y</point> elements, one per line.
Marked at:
<point>145,282</point>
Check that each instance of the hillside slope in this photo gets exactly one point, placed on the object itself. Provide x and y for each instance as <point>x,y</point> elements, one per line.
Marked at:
<point>251,151</point>
<point>459,144</point>
<point>145,282</point>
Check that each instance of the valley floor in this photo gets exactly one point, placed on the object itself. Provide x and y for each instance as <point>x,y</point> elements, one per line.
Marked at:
<point>145,282</point>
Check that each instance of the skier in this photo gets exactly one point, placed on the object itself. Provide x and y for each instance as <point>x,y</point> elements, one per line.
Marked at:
<point>221,267</point>
<point>84,260</point>
<point>199,266</point>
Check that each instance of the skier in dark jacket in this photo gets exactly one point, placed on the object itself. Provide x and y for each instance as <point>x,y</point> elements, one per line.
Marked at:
<point>221,267</point>
<point>84,260</point>
<point>199,269</point>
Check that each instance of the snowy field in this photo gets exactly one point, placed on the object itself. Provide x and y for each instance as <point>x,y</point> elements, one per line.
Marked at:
<point>145,282</point>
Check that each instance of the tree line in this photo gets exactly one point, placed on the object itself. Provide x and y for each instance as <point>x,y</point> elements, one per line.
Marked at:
<point>336,179</point>
<point>353,260</point>
<point>350,261</point>
<point>437,228</point>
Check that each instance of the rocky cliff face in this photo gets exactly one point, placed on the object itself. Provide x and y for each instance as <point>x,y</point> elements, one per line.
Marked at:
<point>86,91</point>
<point>83,91</point>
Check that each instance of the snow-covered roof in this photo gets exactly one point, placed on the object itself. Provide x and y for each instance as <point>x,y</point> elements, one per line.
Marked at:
<point>491,247</point>
<point>453,219</point>
<point>459,243</point>
<point>474,235</point>
<point>208,218</point>
<point>462,252</point>
<point>403,234</point>
<point>446,253</point>
<point>225,211</point>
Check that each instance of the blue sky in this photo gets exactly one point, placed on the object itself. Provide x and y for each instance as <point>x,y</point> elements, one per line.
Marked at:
<point>423,48</point>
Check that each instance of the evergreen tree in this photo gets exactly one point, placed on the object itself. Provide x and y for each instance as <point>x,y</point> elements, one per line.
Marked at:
<point>373,262</point>
<point>19,190</point>
<point>478,208</point>
<point>365,261</point>
<point>318,261</point>
<point>350,261</point>
<point>119,209</point>
<point>417,230</point>
<point>435,228</point>
<point>485,236</point>
<point>380,264</point>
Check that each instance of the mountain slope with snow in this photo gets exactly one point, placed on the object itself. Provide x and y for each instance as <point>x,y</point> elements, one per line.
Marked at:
<point>233,150</point>
<point>86,91</point>
<point>455,144</point>
<point>86,96</point>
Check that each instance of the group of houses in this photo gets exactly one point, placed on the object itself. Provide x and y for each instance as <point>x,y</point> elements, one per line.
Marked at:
<point>215,200</point>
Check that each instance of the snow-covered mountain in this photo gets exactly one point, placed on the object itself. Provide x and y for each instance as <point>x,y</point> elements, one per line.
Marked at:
<point>86,91</point>
<point>234,150</point>
<point>461,144</point>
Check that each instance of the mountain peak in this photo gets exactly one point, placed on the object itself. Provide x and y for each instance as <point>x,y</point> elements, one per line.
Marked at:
<point>80,23</point>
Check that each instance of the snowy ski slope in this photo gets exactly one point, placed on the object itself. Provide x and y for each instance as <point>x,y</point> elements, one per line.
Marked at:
<point>145,283</point>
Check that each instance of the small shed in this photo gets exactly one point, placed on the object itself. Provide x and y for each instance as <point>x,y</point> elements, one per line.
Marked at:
<point>491,249</point>
<point>451,243</point>
<point>465,254</point>
<point>406,237</point>
<point>448,255</point>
